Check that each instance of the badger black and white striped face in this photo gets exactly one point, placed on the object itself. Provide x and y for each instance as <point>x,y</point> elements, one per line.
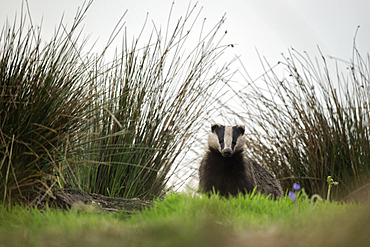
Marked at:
<point>226,139</point>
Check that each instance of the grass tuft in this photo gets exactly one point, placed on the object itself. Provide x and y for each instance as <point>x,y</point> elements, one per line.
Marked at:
<point>119,128</point>
<point>311,122</point>
<point>151,100</point>
<point>43,97</point>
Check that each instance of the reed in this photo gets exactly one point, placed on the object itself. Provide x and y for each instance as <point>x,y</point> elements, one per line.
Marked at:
<point>149,103</point>
<point>43,98</point>
<point>118,128</point>
<point>312,121</point>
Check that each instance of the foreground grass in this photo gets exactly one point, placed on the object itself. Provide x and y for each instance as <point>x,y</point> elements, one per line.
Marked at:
<point>184,220</point>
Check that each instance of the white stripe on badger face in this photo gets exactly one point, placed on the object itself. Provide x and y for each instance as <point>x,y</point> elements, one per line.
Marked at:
<point>213,142</point>
<point>228,138</point>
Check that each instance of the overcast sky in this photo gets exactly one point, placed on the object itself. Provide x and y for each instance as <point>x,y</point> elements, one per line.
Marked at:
<point>270,26</point>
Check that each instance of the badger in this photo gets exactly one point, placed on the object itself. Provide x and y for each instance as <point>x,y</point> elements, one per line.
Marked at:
<point>227,170</point>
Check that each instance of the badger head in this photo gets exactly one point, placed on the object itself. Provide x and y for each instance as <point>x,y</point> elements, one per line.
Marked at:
<point>226,139</point>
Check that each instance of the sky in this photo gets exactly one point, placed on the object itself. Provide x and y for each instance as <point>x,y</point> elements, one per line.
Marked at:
<point>270,27</point>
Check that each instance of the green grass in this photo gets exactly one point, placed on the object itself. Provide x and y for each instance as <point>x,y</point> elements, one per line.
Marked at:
<point>185,220</point>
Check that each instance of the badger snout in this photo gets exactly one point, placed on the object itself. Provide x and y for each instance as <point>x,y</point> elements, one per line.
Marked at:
<point>227,152</point>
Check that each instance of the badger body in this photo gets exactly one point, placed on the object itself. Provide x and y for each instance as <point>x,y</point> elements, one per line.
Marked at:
<point>226,169</point>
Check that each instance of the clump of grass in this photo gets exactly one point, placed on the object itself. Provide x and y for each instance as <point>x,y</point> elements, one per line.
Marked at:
<point>117,128</point>
<point>150,102</point>
<point>312,122</point>
<point>43,98</point>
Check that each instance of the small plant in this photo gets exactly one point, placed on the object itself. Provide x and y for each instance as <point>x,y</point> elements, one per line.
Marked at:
<point>331,182</point>
<point>315,197</point>
<point>292,194</point>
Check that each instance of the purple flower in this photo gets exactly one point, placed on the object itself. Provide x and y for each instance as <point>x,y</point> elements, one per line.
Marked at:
<point>296,187</point>
<point>292,195</point>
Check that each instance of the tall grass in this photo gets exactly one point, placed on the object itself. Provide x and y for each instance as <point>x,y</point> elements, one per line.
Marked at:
<point>153,100</point>
<point>43,97</point>
<point>312,122</point>
<point>118,128</point>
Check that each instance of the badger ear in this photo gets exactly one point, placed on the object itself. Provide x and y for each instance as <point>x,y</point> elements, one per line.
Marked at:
<point>241,129</point>
<point>214,127</point>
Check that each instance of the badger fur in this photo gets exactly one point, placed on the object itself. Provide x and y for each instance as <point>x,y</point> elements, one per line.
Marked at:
<point>226,168</point>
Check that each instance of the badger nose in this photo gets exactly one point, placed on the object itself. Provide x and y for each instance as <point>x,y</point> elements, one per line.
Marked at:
<point>227,152</point>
